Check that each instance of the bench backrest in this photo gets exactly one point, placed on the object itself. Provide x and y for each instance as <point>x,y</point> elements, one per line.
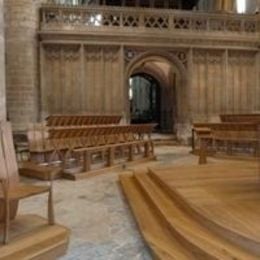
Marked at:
<point>240,118</point>
<point>82,120</point>
<point>70,132</point>
<point>49,138</point>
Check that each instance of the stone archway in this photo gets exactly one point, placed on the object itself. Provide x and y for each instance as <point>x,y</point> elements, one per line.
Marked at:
<point>178,104</point>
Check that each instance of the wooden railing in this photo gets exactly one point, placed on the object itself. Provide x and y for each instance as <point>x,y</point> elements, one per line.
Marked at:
<point>55,17</point>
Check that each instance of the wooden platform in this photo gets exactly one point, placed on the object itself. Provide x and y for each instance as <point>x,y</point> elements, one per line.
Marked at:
<point>32,238</point>
<point>33,170</point>
<point>199,212</point>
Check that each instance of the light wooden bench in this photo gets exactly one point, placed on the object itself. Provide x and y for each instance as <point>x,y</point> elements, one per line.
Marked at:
<point>143,148</point>
<point>60,143</point>
<point>231,139</point>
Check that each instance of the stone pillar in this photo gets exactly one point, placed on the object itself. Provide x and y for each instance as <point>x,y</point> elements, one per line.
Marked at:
<point>2,64</point>
<point>225,5</point>
<point>21,62</point>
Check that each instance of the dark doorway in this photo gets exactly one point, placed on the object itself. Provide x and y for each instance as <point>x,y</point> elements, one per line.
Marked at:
<point>144,97</point>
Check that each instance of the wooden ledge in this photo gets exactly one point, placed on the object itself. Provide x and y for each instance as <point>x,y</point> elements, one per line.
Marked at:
<point>33,170</point>
<point>32,238</point>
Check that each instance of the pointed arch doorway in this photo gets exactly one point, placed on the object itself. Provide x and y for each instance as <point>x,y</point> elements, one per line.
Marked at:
<point>164,81</point>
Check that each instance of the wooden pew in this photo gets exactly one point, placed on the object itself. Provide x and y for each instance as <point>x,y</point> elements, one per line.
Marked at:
<point>62,143</point>
<point>231,139</point>
<point>147,153</point>
<point>197,130</point>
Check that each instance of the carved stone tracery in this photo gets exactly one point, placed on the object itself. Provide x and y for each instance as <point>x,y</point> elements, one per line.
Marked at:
<point>131,53</point>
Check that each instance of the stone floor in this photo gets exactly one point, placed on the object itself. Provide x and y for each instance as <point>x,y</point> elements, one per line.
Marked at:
<point>101,223</point>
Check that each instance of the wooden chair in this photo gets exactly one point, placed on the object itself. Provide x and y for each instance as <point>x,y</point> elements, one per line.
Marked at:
<point>12,191</point>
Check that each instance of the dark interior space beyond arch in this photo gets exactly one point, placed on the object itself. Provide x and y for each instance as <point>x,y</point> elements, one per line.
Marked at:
<point>144,97</point>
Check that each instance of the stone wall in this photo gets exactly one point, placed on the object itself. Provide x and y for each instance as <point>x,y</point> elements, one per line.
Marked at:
<point>85,70</point>
<point>2,64</point>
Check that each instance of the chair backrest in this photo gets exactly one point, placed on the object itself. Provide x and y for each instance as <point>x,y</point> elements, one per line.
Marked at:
<point>8,164</point>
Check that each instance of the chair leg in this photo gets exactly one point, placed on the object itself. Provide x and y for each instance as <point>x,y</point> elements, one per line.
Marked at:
<point>51,218</point>
<point>6,222</point>
<point>202,152</point>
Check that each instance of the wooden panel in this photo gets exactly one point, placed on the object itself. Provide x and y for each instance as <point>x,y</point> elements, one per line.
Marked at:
<point>241,78</point>
<point>33,239</point>
<point>102,86</point>
<point>66,66</point>
<point>52,89</point>
<point>223,82</point>
<point>214,82</point>
<point>71,88</point>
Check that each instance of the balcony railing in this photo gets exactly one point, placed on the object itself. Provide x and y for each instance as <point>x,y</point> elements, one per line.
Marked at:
<point>60,17</point>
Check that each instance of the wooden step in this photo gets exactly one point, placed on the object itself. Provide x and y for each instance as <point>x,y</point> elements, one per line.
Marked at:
<point>160,240</point>
<point>234,227</point>
<point>33,170</point>
<point>196,238</point>
<point>32,238</point>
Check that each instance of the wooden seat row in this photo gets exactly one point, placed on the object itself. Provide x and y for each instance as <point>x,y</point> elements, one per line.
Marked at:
<point>227,119</point>
<point>44,139</point>
<point>80,120</point>
<point>240,139</point>
<point>113,155</point>
<point>86,143</point>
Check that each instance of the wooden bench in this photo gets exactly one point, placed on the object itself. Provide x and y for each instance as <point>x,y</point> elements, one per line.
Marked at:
<point>53,144</point>
<point>136,151</point>
<point>197,131</point>
<point>231,139</point>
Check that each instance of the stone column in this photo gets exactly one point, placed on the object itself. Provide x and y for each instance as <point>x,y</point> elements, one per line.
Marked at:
<point>2,64</point>
<point>21,62</point>
<point>224,5</point>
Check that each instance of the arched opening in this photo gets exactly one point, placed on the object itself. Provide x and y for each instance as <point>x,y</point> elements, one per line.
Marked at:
<point>162,78</point>
<point>144,98</point>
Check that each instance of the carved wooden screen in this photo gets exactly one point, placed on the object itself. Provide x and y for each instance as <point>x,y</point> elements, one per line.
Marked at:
<point>77,79</point>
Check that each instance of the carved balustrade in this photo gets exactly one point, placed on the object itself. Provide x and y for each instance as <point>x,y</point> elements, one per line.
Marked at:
<point>60,17</point>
